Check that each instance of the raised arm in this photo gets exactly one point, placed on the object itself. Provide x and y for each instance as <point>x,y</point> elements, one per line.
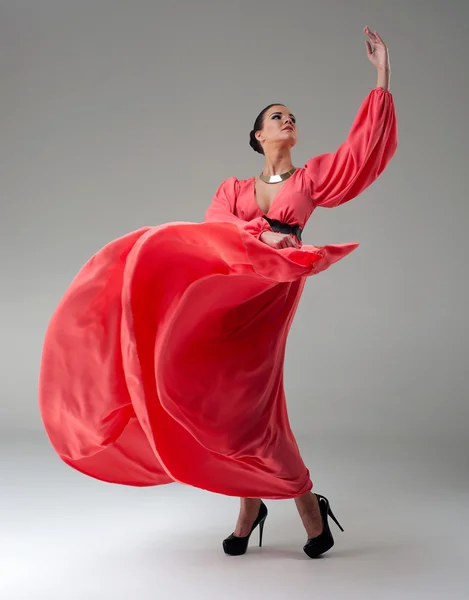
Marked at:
<point>222,210</point>
<point>339,176</point>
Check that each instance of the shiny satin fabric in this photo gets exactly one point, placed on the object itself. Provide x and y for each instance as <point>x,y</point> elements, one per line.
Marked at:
<point>164,360</point>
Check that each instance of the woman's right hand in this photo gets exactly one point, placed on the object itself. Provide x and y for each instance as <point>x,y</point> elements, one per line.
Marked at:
<point>278,240</point>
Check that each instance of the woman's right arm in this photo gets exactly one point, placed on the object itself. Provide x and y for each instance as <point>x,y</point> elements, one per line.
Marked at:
<point>222,210</point>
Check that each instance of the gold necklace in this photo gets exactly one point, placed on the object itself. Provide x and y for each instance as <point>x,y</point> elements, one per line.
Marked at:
<point>277,178</point>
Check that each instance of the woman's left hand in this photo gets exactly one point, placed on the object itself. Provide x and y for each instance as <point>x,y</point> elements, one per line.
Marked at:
<point>378,54</point>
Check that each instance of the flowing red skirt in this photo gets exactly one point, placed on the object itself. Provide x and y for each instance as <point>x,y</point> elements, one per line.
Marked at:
<point>164,361</point>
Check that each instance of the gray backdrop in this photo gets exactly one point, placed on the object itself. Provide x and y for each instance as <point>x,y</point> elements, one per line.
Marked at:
<point>115,115</point>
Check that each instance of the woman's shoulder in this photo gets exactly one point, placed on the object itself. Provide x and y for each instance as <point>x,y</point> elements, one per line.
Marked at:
<point>235,184</point>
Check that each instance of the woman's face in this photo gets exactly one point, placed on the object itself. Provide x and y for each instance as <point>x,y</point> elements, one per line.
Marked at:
<point>279,128</point>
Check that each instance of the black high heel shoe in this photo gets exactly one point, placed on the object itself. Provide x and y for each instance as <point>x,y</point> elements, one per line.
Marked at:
<point>235,546</point>
<point>324,541</point>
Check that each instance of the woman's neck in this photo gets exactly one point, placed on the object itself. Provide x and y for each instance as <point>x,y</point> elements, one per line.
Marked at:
<point>277,162</point>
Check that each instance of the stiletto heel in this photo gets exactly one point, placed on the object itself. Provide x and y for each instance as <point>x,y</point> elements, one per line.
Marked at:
<point>332,516</point>
<point>235,546</point>
<point>314,547</point>
<point>261,531</point>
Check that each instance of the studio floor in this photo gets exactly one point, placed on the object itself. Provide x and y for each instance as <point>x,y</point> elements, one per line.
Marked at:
<point>404,506</point>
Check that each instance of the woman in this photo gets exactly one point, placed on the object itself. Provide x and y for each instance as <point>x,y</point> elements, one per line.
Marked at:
<point>164,360</point>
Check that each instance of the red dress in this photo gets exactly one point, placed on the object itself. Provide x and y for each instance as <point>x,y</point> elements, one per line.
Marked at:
<point>164,360</point>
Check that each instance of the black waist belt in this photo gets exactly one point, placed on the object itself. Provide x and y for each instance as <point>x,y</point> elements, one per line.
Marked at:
<point>280,227</point>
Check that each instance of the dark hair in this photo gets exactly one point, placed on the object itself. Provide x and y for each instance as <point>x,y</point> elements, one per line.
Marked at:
<point>258,125</point>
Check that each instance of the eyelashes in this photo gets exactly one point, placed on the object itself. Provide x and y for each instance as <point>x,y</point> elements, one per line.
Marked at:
<point>293,119</point>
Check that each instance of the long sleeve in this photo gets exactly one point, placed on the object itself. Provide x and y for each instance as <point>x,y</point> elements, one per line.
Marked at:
<point>371,143</point>
<point>222,210</point>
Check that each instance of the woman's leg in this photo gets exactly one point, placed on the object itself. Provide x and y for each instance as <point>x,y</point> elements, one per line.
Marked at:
<point>308,509</point>
<point>247,515</point>
<point>307,506</point>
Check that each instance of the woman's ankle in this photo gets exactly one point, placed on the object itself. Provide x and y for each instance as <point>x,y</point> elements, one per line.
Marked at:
<point>310,514</point>
<point>249,510</point>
